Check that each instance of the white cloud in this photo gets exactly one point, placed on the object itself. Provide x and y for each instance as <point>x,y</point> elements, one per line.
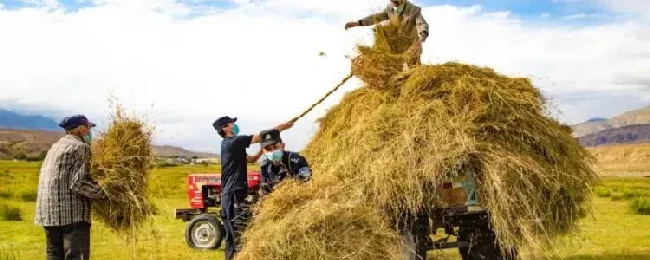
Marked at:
<point>260,61</point>
<point>629,6</point>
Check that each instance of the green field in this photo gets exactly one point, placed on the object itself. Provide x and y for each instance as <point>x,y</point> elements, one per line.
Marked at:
<point>615,230</point>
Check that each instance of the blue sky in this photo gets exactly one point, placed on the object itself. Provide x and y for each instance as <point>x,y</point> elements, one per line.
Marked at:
<point>182,64</point>
<point>531,9</point>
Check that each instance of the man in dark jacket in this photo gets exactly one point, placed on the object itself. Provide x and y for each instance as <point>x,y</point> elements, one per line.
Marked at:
<point>279,163</point>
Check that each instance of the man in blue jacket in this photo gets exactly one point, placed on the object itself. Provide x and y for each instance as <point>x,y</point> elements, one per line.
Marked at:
<point>279,163</point>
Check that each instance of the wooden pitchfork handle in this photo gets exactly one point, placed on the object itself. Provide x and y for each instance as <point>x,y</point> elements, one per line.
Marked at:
<point>322,99</point>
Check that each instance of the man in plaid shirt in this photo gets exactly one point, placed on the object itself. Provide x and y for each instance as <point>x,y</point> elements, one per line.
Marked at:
<point>65,190</point>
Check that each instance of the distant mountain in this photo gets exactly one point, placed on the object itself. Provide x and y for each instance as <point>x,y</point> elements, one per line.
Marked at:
<point>13,120</point>
<point>596,120</point>
<point>634,117</point>
<point>33,142</point>
<point>172,151</point>
<point>34,134</point>
<point>621,135</point>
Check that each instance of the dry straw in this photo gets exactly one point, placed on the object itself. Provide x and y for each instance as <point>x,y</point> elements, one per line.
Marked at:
<point>121,162</point>
<point>384,149</point>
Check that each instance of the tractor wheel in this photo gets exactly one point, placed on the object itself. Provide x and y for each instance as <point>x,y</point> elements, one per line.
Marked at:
<point>483,245</point>
<point>204,232</point>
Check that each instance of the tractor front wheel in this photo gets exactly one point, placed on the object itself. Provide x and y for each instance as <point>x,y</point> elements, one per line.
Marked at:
<point>204,232</point>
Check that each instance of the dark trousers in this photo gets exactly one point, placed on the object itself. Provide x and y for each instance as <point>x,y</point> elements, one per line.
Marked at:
<point>68,242</point>
<point>231,210</point>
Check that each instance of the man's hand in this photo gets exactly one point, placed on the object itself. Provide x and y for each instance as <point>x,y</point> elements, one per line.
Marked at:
<point>349,25</point>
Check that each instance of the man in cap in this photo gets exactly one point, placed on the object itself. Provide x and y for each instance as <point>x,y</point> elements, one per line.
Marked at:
<point>407,14</point>
<point>234,179</point>
<point>280,163</point>
<point>65,191</point>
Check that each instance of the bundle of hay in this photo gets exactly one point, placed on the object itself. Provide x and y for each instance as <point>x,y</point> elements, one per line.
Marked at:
<point>390,144</point>
<point>121,161</point>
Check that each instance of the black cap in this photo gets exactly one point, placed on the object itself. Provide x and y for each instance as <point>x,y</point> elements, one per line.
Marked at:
<point>270,137</point>
<point>223,121</point>
<point>75,121</point>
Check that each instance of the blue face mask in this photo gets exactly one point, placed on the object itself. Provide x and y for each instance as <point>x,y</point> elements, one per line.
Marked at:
<point>235,129</point>
<point>88,137</point>
<point>275,156</point>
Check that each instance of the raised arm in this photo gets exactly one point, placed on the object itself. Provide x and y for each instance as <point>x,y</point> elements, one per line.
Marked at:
<point>254,158</point>
<point>280,127</point>
<point>369,20</point>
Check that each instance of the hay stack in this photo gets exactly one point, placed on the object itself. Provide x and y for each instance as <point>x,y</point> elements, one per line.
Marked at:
<point>390,144</point>
<point>121,161</point>
<point>319,221</point>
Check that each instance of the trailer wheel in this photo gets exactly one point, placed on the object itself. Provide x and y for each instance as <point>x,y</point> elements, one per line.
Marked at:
<point>483,245</point>
<point>204,232</point>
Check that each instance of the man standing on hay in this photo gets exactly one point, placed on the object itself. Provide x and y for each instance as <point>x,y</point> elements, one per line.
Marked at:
<point>65,190</point>
<point>234,178</point>
<point>406,14</point>
<point>280,163</point>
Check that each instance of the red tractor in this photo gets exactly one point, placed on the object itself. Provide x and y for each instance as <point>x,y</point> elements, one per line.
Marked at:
<point>204,230</point>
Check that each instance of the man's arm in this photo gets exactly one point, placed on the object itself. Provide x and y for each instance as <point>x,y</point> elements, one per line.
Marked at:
<point>254,158</point>
<point>370,19</point>
<point>280,127</point>
<point>80,182</point>
<point>374,18</point>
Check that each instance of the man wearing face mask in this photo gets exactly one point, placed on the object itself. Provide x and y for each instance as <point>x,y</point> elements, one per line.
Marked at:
<point>65,191</point>
<point>280,163</point>
<point>406,13</point>
<point>234,178</point>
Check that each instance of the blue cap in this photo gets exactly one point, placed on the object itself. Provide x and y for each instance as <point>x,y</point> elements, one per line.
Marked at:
<point>223,121</point>
<point>75,121</point>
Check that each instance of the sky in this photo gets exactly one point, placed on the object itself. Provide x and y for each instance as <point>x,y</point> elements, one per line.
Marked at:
<point>182,64</point>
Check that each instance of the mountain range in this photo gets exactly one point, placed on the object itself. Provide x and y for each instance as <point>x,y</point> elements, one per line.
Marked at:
<point>34,134</point>
<point>629,127</point>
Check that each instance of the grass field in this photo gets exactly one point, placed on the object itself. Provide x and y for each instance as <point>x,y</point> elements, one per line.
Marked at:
<point>614,231</point>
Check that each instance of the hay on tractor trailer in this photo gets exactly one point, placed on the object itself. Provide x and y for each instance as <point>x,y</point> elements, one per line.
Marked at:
<point>121,162</point>
<point>388,147</point>
<point>318,221</point>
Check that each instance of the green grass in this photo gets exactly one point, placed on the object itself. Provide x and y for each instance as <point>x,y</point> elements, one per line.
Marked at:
<point>613,231</point>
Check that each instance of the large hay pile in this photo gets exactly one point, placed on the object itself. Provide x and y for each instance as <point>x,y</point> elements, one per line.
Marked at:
<point>389,145</point>
<point>121,161</point>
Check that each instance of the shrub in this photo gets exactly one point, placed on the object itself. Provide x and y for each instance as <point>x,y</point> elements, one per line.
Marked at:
<point>634,193</point>
<point>29,195</point>
<point>617,196</point>
<point>5,194</point>
<point>20,155</point>
<point>10,213</point>
<point>641,206</point>
<point>602,192</point>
